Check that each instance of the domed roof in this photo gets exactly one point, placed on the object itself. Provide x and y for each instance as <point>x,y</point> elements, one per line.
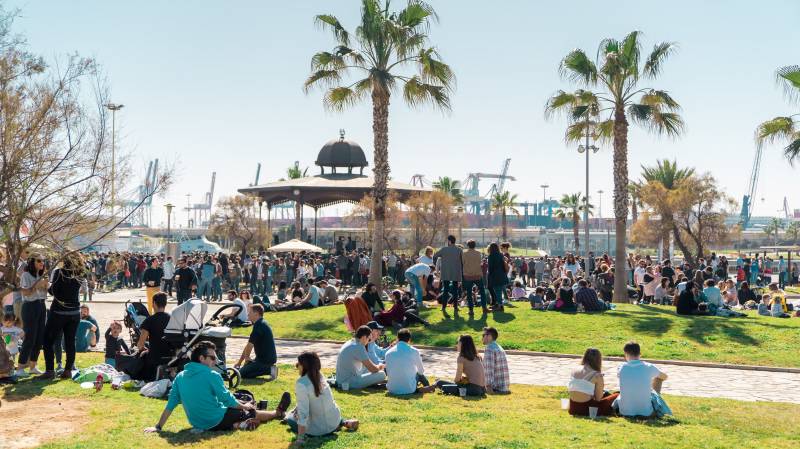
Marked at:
<point>341,153</point>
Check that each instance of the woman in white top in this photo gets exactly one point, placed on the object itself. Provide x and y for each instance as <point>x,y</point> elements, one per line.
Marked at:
<point>33,285</point>
<point>586,387</point>
<point>730,296</point>
<point>316,412</point>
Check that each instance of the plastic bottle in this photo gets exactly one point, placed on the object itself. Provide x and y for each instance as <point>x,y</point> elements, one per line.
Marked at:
<point>98,383</point>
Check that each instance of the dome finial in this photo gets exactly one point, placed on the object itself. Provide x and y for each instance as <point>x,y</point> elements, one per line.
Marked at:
<point>341,133</point>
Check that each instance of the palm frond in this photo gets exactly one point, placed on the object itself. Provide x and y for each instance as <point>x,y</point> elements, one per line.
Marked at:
<point>340,98</point>
<point>792,151</point>
<point>416,13</point>
<point>779,128</point>
<point>656,121</point>
<point>577,67</point>
<point>354,57</point>
<point>325,78</point>
<point>416,92</point>
<point>661,52</point>
<point>788,77</point>
<point>331,23</point>
<point>325,60</point>
<point>629,51</point>
<point>559,103</point>
<point>659,99</point>
<point>432,70</point>
<point>604,133</point>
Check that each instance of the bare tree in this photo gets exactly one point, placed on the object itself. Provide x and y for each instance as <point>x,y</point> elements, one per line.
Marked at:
<point>235,219</point>
<point>54,155</point>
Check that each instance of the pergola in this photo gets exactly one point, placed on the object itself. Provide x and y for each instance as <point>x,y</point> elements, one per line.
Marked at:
<point>339,185</point>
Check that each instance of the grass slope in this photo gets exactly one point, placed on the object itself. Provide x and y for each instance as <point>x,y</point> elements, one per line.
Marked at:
<point>753,340</point>
<point>530,418</point>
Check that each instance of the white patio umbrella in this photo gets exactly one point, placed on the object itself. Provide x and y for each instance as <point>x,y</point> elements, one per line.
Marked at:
<point>295,246</point>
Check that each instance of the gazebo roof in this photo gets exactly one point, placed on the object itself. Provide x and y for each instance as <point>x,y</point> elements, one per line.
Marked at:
<point>324,190</point>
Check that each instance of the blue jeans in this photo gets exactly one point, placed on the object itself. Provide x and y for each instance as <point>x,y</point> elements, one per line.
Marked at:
<point>468,287</point>
<point>204,288</point>
<point>416,288</point>
<point>253,369</point>
<point>450,289</point>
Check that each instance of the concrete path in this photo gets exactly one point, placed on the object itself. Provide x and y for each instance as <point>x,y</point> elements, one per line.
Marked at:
<point>530,369</point>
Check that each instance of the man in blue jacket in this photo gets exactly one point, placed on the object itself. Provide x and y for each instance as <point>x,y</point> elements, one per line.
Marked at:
<point>206,401</point>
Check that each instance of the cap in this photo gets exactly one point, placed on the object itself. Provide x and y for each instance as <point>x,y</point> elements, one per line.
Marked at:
<point>374,325</point>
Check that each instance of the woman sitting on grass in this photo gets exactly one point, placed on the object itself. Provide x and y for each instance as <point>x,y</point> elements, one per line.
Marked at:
<point>316,413</point>
<point>469,371</point>
<point>586,387</point>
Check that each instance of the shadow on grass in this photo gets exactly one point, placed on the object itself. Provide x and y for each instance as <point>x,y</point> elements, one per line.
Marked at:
<point>666,421</point>
<point>700,328</point>
<point>24,389</point>
<point>320,325</point>
<point>652,325</point>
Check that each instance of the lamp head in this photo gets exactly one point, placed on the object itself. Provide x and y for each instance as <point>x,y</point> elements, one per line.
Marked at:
<point>581,149</point>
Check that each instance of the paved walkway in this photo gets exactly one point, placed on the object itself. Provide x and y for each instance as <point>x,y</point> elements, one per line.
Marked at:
<point>528,369</point>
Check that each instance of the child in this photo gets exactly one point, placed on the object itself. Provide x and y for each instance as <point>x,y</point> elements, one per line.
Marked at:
<point>114,344</point>
<point>537,299</point>
<point>777,308</point>
<point>518,293</point>
<point>12,335</point>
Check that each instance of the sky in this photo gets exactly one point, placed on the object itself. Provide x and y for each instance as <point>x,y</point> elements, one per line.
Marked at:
<point>217,86</point>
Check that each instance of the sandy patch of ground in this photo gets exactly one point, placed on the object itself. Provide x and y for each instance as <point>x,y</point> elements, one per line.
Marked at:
<point>39,420</point>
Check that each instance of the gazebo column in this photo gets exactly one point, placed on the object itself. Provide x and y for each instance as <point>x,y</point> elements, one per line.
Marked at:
<point>298,219</point>
<point>269,224</point>
<point>316,209</point>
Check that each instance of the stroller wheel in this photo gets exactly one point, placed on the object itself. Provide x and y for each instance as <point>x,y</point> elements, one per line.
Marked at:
<point>233,377</point>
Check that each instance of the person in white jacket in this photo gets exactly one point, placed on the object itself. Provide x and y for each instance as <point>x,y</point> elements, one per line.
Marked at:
<point>316,413</point>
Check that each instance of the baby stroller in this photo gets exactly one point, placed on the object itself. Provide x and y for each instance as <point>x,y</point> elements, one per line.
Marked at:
<point>187,328</point>
<point>135,314</point>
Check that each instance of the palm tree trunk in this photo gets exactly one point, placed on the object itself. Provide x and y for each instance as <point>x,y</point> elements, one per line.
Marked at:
<point>620,202</point>
<point>575,224</point>
<point>505,227</point>
<point>380,131</point>
<point>634,209</point>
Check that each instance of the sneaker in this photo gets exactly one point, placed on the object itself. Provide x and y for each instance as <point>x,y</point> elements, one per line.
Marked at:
<point>21,373</point>
<point>273,372</point>
<point>59,367</point>
<point>35,370</point>
<point>47,375</point>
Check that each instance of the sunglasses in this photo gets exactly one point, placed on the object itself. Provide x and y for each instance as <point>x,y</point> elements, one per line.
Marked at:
<point>212,356</point>
<point>39,261</point>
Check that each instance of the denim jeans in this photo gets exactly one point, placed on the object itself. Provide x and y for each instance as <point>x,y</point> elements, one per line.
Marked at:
<point>468,287</point>
<point>451,388</point>
<point>204,288</point>
<point>450,290</point>
<point>416,288</point>
<point>496,292</point>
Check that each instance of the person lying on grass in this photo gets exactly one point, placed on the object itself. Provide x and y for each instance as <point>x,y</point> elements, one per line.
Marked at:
<point>218,410</point>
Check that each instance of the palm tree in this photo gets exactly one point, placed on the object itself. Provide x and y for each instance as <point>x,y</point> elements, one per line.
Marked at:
<point>784,129</point>
<point>383,44</point>
<point>451,187</point>
<point>503,203</point>
<point>572,207</point>
<point>793,231</point>
<point>773,228</point>
<point>294,171</point>
<point>668,175</point>
<point>615,76</point>
<point>634,187</point>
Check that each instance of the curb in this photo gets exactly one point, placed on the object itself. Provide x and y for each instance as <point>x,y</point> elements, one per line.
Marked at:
<point>555,355</point>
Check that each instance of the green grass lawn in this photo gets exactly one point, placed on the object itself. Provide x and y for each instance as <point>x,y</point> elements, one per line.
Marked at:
<point>529,418</point>
<point>753,340</point>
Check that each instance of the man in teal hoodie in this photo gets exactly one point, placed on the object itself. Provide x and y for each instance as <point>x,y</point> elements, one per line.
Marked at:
<point>206,401</point>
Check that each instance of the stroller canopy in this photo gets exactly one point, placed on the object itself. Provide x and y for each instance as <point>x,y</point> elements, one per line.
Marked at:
<point>187,316</point>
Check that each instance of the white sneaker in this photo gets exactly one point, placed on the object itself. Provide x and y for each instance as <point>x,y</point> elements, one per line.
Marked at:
<point>273,372</point>
<point>21,373</point>
<point>59,367</point>
<point>35,370</point>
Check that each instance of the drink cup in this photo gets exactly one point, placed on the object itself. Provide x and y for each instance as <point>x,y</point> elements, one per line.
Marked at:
<point>462,392</point>
<point>565,404</point>
<point>345,386</point>
<point>177,277</point>
<point>592,412</point>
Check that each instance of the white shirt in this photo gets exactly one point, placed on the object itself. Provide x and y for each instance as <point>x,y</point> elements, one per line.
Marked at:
<point>426,260</point>
<point>242,316</point>
<point>169,270</point>
<point>420,269</point>
<point>403,363</point>
<point>638,275</point>
<point>318,414</point>
<point>635,384</point>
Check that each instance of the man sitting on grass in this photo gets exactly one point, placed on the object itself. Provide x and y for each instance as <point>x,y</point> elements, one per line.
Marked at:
<point>404,367</point>
<point>587,297</point>
<point>353,366</point>
<point>495,363</point>
<point>263,342</point>
<point>206,401</point>
<point>639,384</point>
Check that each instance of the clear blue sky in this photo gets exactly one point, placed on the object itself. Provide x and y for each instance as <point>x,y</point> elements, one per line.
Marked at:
<point>217,86</point>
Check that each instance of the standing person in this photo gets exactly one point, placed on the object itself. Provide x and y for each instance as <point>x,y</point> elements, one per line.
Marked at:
<point>169,274</point>
<point>495,363</point>
<point>152,280</point>
<point>473,276</point>
<point>404,369</point>
<point>316,413</point>
<point>469,370</point>
<point>417,277</point>
<point>451,271</point>
<point>497,276</point>
<point>65,314</point>
<point>33,285</point>
<point>262,341</point>
<point>185,281</point>
<point>638,383</point>
<point>235,273</point>
<point>207,272</point>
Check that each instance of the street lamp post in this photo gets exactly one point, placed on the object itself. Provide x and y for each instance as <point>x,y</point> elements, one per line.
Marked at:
<point>586,149</point>
<point>600,205</point>
<point>544,198</point>
<point>169,207</point>
<point>113,108</point>
<point>483,236</point>
<point>460,223</point>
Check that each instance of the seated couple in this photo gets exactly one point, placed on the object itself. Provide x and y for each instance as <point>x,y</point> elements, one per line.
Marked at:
<point>478,376</point>
<point>585,297</point>
<point>639,384</point>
